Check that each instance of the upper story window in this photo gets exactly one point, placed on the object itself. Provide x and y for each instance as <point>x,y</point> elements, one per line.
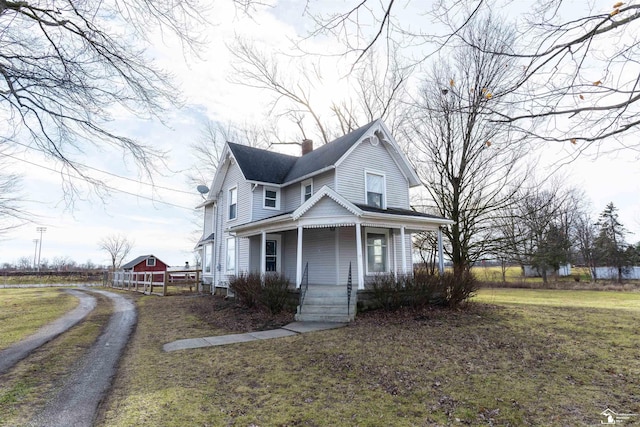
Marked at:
<point>375,189</point>
<point>151,262</point>
<point>271,199</point>
<point>233,203</point>
<point>307,190</point>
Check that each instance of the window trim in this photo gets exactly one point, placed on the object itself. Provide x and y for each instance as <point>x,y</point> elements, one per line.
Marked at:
<point>264,198</point>
<point>303,185</point>
<point>229,204</point>
<point>149,264</point>
<point>371,230</point>
<point>207,264</point>
<point>384,187</point>
<point>234,256</point>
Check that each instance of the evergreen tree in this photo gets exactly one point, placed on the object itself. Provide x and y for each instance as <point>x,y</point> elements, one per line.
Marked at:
<point>609,246</point>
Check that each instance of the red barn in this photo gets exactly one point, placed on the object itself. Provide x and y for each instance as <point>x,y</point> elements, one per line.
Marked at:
<point>146,263</point>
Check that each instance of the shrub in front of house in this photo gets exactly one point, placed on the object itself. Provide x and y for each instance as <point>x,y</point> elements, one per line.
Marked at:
<point>274,294</point>
<point>247,288</point>
<point>423,287</point>
<point>391,292</point>
<point>457,288</point>
<point>253,290</point>
<point>388,292</point>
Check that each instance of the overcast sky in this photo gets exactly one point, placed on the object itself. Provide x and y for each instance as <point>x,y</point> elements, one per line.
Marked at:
<point>161,219</point>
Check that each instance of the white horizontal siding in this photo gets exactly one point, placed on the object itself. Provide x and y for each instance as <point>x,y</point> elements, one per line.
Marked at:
<point>347,254</point>
<point>208,220</point>
<point>318,249</point>
<point>351,175</point>
<point>258,211</point>
<point>233,178</point>
<point>326,207</point>
<point>293,193</point>
<point>289,255</point>
<point>243,255</point>
<point>254,254</point>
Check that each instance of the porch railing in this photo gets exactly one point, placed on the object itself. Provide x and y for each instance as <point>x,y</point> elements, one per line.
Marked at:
<point>349,288</point>
<point>304,284</point>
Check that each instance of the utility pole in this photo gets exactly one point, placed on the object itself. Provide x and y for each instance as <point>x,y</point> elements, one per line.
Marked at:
<point>40,230</point>
<point>35,253</point>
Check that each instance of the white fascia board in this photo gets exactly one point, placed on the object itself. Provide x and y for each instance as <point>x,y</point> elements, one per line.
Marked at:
<point>222,169</point>
<point>406,219</point>
<point>206,203</point>
<point>333,221</point>
<point>241,228</point>
<point>266,184</point>
<point>403,163</point>
<point>367,134</point>
<point>309,175</point>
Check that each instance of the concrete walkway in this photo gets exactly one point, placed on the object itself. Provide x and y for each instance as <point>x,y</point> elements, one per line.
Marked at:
<point>18,351</point>
<point>294,328</point>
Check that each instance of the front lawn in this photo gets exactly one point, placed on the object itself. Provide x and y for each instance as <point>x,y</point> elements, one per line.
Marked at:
<point>24,311</point>
<point>512,357</point>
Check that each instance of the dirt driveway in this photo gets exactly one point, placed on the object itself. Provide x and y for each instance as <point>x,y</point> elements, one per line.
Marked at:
<point>76,401</point>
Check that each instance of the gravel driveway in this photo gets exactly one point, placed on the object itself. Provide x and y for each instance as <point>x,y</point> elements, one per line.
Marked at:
<point>77,401</point>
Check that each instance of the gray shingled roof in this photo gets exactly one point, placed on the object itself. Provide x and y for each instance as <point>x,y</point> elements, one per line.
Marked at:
<point>396,211</point>
<point>262,165</point>
<point>137,261</point>
<point>267,166</point>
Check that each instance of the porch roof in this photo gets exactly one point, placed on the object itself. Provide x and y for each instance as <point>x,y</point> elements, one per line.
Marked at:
<point>348,215</point>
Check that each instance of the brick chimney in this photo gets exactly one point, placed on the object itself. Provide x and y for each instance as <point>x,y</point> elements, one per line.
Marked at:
<point>307,146</point>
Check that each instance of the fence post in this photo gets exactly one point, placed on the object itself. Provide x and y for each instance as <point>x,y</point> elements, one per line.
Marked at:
<point>165,277</point>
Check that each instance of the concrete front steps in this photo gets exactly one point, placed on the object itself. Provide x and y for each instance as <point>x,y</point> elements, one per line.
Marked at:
<point>327,303</point>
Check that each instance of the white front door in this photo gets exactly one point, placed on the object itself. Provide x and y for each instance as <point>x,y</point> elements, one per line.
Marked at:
<point>273,253</point>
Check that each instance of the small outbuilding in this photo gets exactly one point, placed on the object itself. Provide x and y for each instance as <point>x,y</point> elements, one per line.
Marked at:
<point>145,263</point>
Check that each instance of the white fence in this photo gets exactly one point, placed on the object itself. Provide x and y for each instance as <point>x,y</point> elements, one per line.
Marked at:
<point>146,281</point>
<point>611,273</point>
<point>563,271</point>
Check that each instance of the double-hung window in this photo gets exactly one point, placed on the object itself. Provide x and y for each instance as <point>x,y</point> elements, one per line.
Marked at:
<point>307,190</point>
<point>231,255</point>
<point>377,252</point>
<point>271,199</point>
<point>233,203</point>
<point>375,187</point>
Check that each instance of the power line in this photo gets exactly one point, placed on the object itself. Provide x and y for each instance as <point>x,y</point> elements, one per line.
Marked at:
<point>104,185</point>
<point>111,173</point>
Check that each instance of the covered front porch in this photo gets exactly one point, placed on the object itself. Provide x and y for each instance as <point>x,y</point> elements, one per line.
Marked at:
<point>328,252</point>
<point>329,243</point>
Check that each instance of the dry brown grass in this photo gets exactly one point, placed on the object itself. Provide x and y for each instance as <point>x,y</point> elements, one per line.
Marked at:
<point>557,358</point>
<point>26,388</point>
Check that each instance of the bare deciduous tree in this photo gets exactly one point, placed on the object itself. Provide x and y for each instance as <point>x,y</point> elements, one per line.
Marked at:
<point>118,247</point>
<point>538,228</point>
<point>579,64</point>
<point>585,234</point>
<point>468,163</point>
<point>376,90</point>
<point>67,66</point>
<point>11,212</point>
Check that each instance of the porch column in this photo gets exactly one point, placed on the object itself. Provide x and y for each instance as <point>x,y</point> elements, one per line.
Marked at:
<point>299,258</point>
<point>263,253</point>
<point>440,254</point>
<point>359,256</point>
<point>404,251</point>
